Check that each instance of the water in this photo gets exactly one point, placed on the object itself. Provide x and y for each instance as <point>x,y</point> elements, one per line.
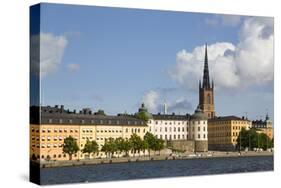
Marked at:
<point>155,169</point>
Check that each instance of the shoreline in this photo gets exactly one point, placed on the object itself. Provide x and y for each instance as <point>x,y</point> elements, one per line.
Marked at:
<point>86,162</point>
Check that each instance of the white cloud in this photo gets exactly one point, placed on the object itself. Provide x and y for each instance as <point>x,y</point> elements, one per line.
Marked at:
<point>51,52</point>
<point>250,62</point>
<point>230,20</point>
<point>150,100</point>
<point>73,67</point>
<point>179,105</point>
<point>224,20</point>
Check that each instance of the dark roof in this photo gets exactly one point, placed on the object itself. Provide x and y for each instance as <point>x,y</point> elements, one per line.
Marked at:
<point>223,118</point>
<point>170,117</point>
<point>58,115</point>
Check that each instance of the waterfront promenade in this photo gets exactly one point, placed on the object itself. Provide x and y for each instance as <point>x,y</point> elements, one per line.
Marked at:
<point>180,156</point>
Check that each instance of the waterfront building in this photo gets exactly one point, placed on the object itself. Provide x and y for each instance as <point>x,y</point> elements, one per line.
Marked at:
<point>223,131</point>
<point>56,123</point>
<point>264,126</point>
<point>169,126</point>
<point>206,91</point>
<point>199,130</point>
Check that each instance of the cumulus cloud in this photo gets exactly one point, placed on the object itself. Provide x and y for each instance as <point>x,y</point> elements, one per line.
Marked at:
<point>180,105</point>
<point>154,101</point>
<point>224,20</point>
<point>248,63</point>
<point>73,67</point>
<point>51,50</point>
<point>150,99</point>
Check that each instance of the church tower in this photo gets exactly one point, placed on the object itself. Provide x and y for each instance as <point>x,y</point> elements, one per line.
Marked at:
<point>206,91</point>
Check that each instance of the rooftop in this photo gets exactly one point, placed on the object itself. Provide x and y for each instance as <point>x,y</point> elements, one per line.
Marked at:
<point>224,118</point>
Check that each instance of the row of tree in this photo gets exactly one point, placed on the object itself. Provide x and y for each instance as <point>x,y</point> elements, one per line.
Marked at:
<point>252,139</point>
<point>118,146</point>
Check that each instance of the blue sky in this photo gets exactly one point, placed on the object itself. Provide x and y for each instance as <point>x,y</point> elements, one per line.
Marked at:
<point>115,58</point>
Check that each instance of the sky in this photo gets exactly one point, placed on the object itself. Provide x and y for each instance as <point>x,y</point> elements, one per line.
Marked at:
<point>114,59</point>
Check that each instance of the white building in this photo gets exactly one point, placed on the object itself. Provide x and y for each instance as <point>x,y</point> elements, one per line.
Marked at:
<point>169,126</point>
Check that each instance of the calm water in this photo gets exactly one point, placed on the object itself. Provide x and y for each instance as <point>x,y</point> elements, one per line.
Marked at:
<point>154,169</point>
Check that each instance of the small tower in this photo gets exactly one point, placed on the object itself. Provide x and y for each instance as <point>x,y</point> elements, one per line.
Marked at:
<point>206,91</point>
<point>165,108</point>
<point>199,130</point>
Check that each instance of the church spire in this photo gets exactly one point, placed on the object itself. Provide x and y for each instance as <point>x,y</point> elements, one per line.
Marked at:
<point>206,80</point>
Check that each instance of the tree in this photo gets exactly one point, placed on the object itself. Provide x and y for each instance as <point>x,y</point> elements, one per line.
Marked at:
<point>150,140</point>
<point>135,143</point>
<point>70,146</point>
<point>143,146</point>
<point>91,147</point>
<point>127,146</point>
<point>252,139</point>
<point>159,145</point>
<point>109,147</point>
<point>119,142</point>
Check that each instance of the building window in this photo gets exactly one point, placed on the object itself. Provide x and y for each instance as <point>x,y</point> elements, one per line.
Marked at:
<point>179,129</point>
<point>198,135</point>
<point>179,136</point>
<point>175,129</point>
<point>175,137</point>
<point>166,129</point>
<point>198,128</point>
<point>183,129</point>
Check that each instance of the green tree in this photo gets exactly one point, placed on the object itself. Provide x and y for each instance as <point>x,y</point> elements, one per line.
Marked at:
<point>70,146</point>
<point>91,147</point>
<point>119,142</point>
<point>136,143</point>
<point>109,147</point>
<point>151,141</point>
<point>144,146</point>
<point>127,146</point>
<point>159,145</point>
<point>252,139</point>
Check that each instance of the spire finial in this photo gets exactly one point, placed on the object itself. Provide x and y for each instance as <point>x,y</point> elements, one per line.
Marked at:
<point>206,80</point>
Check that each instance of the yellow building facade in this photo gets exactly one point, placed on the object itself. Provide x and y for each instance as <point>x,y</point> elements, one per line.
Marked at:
<point>224,131</point>
<point>47,137</point>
